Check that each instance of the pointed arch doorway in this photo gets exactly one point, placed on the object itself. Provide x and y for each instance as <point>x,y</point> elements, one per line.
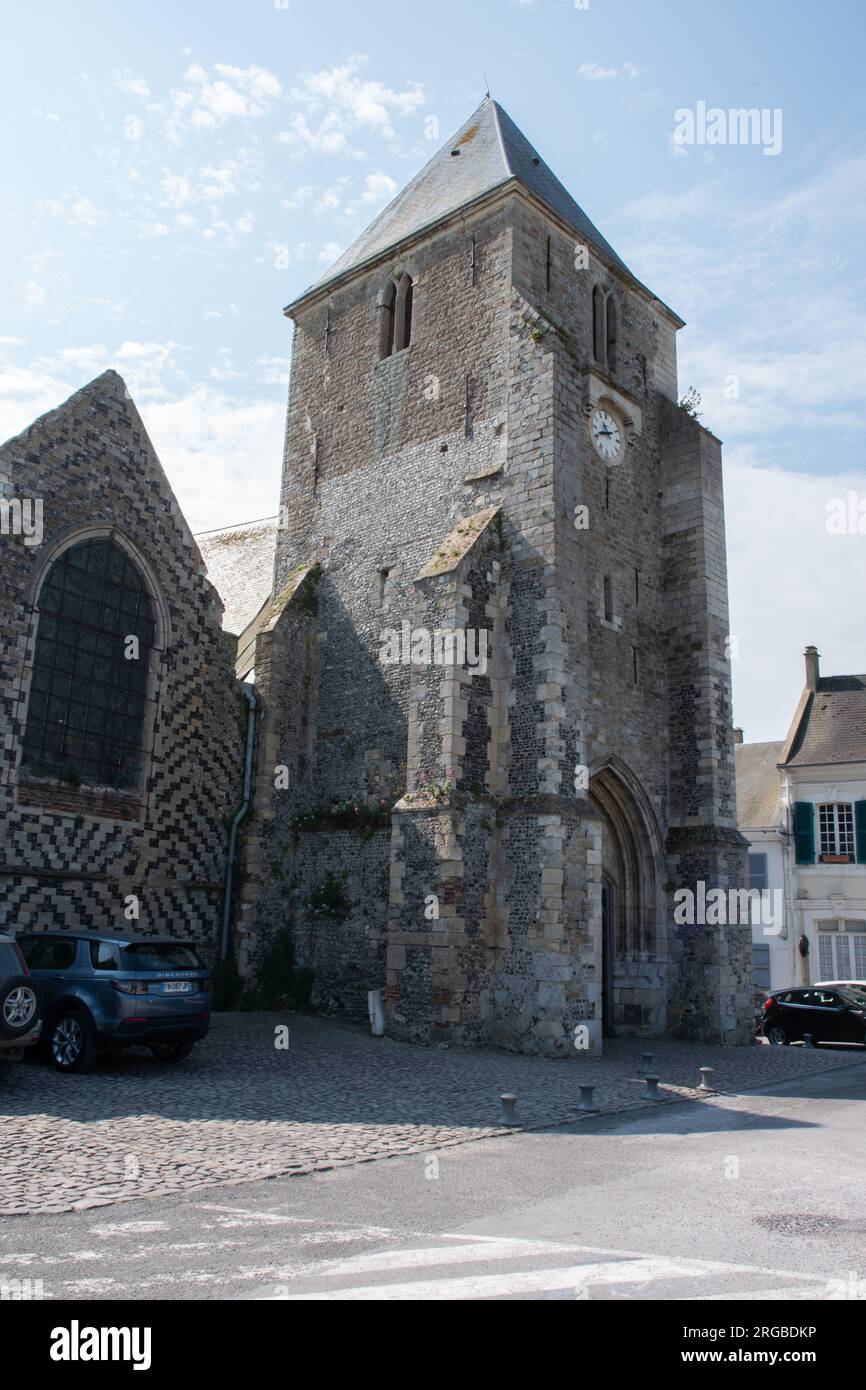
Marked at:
<point>608,953</point>
<point>633,938</point>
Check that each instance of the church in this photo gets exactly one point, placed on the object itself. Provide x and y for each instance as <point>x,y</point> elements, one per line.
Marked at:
<point>476,732</point>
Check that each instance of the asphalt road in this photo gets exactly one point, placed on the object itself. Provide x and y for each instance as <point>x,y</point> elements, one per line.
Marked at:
<point>758,1196</point>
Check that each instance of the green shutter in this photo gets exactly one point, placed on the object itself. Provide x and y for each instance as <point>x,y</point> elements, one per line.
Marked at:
<point>804,832</point>
<point>860,830</point>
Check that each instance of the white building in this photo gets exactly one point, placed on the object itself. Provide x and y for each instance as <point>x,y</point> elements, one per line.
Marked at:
<point>802,806</point>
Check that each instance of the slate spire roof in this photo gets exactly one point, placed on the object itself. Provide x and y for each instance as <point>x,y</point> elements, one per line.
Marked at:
<point>487,153</point>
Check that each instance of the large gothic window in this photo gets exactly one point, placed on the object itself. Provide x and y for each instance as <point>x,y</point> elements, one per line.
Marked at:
<point>86,714</point>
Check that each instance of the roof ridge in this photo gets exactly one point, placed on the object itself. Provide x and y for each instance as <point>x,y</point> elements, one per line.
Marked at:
<point>238,525</point>
<point>497,109</point>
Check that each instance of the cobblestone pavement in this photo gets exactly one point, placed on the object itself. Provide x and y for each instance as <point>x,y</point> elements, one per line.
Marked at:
<point>240,1109</point>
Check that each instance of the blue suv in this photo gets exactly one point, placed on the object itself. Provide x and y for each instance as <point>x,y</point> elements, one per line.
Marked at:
<point>103,992</point>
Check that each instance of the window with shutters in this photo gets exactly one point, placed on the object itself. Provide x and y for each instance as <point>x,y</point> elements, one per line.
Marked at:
<point>836,827</point>
<point>804,832</point>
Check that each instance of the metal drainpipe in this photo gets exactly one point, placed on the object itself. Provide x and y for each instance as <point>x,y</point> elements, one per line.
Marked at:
<point>793,914</point>
<point>249,692</point>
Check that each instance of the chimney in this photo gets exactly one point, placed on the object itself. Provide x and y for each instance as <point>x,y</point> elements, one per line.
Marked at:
<point>813,668</point>
<point>738,736</point>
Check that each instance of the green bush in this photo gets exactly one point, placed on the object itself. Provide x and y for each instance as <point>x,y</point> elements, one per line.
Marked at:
<point>277,977</point>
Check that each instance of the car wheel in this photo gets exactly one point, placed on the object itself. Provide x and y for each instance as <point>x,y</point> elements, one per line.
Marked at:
<point>777,1036</point>
<point>72,1044</point>
<point>172,1052</point>
<point>19,1006</point>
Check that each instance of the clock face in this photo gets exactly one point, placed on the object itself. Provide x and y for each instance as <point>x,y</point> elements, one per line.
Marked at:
<point>606,435</point>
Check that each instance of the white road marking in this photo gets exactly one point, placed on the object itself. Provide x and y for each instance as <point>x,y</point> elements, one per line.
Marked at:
<point>769,1295</point>
<point>576,1278</point>
<point>258,1218</point>
<point>494,1249</point>
<point>135,1228</point>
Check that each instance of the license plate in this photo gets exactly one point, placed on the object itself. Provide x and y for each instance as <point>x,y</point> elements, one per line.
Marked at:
<point>177,987</point>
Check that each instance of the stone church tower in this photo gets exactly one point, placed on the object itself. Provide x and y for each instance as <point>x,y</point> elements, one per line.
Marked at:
<point>485,459</point>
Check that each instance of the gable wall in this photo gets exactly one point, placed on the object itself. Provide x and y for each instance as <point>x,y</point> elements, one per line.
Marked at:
<point>71,855</point>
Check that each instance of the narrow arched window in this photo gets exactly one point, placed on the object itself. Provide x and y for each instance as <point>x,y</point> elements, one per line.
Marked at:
<point>88,690</point>
<point>610,314</point>
<point>395,332</point>
<point>387,324</point>
<point>598,324</point>
<point>406,325</point>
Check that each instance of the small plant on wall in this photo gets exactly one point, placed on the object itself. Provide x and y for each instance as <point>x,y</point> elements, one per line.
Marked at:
<point>330,898</point>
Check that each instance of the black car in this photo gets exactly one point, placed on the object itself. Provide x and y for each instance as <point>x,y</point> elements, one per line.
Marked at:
<point>20,1000</point>
<point>109,992</point>
<point>827,1015</point>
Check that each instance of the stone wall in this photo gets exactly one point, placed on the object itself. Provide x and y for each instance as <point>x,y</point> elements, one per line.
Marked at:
<point>486,413</point>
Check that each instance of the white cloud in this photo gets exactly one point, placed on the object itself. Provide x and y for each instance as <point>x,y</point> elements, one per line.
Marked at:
<point>274,371</point>
<point>226,233</point>
<point>350,102</point>
<point>150,368</point>
<point>378,188</point>
<point>208,100</point>
<point>125,82</point>
<point>176,189</point>
<point>328,139</point>
<point>299,198</point>
<point>222,455</point>
<point>74,208</point>
<point>147,230</point>
<point>332,199</point>
<point>776,521</point>
<point>219,180</point>
<point>793,362</point>
<point>330,252</point>
<point>26,394</point>
<point>212,185</point>
<point>594,72</point>
<point>221,452</point>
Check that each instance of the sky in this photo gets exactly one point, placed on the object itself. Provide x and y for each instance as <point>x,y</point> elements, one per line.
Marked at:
<point>174,174</point>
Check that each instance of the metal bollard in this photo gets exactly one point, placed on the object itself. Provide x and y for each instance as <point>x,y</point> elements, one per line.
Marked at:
<point>586,1103</point>
<point>508,1103</point>
<point>808,1040</point>
<point>646,1064</point>
<point>707,1074</point>
<point>652,1088</point>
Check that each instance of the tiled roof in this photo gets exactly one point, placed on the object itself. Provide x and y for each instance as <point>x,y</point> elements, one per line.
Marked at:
<point>758,785</point>
<point>240,565</point>
<point>493,152</point>
<point>833,727</point>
